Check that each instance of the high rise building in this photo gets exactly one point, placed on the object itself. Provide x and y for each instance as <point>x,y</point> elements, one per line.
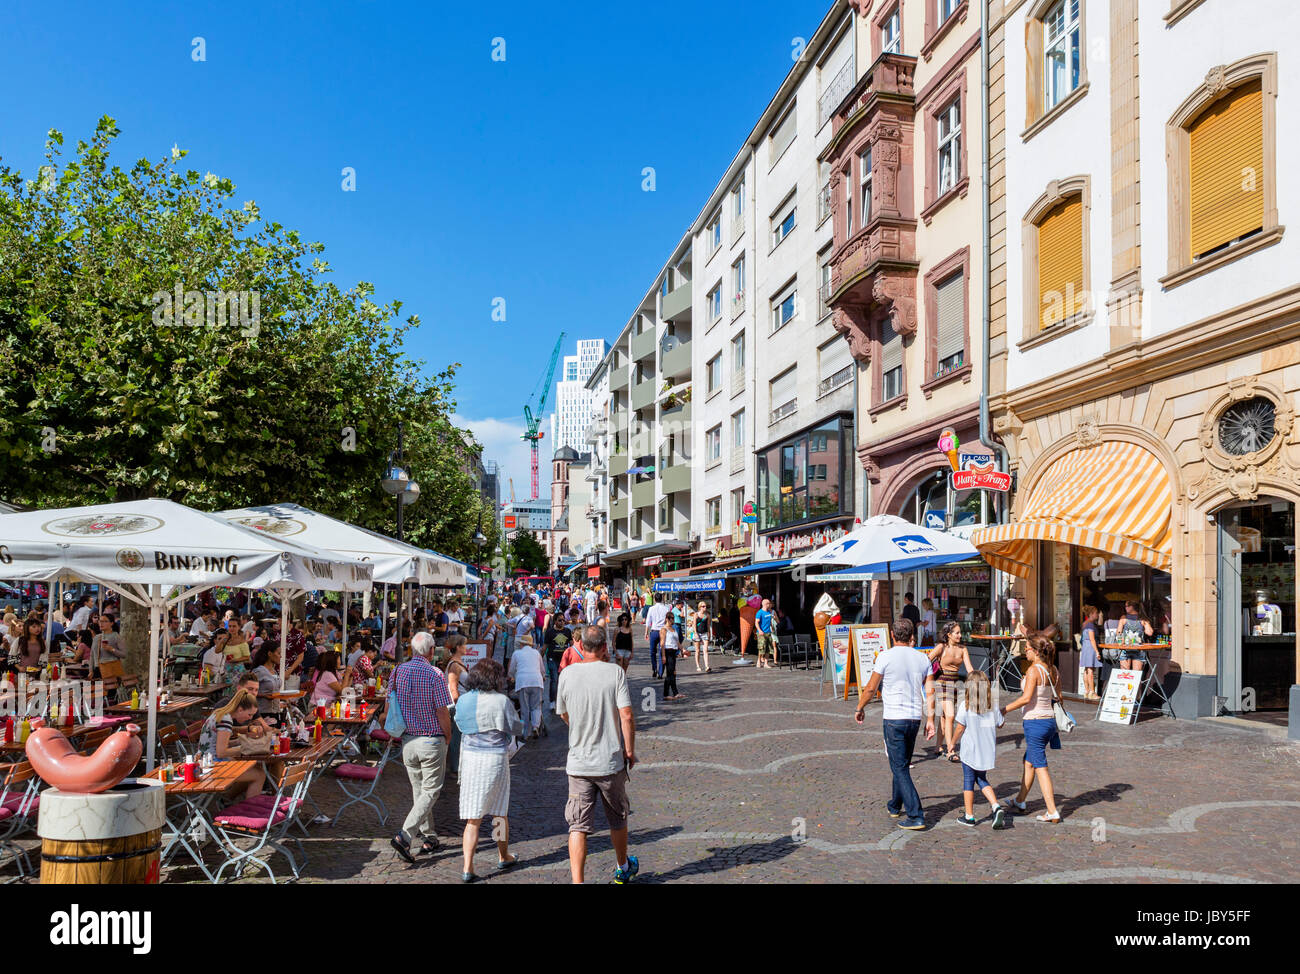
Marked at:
<point>573,399</point>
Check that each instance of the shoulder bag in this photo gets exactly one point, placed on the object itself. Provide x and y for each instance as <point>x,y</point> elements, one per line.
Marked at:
<point>1065,721</point>
<point>394,725</point>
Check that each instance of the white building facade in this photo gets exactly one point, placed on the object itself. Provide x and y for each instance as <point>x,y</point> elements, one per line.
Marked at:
<point>573,400</point>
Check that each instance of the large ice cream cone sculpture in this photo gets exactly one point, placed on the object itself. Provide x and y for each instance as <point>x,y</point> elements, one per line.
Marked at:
<point>949,445</point>
<point>819,625</point>
<point>748,609</point>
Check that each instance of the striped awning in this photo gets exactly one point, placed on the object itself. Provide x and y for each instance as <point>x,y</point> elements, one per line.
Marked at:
<point>1115,498</point>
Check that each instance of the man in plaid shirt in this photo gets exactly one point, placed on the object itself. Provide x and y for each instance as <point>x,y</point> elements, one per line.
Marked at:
<point>420,689</point>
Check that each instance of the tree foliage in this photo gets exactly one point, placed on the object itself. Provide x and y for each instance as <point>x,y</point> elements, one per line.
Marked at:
<point>527,552</point>
<point>209,415</point>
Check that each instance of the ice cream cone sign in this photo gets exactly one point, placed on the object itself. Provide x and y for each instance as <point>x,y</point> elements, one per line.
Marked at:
<point>949,445</point>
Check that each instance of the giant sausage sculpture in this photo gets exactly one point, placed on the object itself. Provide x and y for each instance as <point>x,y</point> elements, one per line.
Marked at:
<point>57,762</point>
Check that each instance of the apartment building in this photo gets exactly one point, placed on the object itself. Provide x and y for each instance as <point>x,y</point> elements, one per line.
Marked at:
<point>774,389</point>
<point>1146,331</point>
<point>573,400</point>
<point>905,162</point>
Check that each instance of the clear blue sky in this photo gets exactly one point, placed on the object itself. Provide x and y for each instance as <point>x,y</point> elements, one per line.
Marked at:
<point>475,178</point>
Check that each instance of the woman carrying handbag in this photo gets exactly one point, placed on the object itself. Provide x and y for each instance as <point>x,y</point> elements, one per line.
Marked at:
<point>1040,723</point>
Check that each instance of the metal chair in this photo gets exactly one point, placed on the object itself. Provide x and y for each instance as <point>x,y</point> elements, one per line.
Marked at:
<point>265,819</point>
<point>19,802</point>
<point>358,782</point>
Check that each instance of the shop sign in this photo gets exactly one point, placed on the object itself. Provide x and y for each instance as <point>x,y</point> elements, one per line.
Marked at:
<point>651,562</point>
<point>980,480</point>
<point>720,550</point>
<point>747,515</point>
<point>936,520</point>
<point>953,576</point>
<point>508,522</point>
<point>978,462</point>
<point>788,545</point>
<point>689,585</point>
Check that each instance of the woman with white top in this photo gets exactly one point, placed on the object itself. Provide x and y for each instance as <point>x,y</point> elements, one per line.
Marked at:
<point>1039,722</point>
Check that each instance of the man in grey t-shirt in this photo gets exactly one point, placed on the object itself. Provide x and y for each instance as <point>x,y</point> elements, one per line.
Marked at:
<point>593,699</point>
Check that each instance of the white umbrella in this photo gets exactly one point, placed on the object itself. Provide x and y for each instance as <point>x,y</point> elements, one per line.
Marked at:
<point>886,543</point>
<point>395,562</point>
<point>157,553</point>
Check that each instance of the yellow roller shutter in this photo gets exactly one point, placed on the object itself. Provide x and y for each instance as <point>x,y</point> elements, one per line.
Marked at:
<point>1060,262</point>
<point>1227,170</point>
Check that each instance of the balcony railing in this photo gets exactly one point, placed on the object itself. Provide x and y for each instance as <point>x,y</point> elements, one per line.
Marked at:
<point>835,91</point>
<point>784,410</point>
<point>737,304</point>
<point>835,381</point>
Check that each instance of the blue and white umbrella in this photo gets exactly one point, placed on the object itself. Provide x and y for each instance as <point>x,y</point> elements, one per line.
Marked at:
<point>886,544</point>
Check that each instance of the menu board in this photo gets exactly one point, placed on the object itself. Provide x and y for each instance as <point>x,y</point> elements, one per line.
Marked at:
<point>473,653</point>
<point>839,639</point>
<point>868,643</point>
<point>1119,705</point>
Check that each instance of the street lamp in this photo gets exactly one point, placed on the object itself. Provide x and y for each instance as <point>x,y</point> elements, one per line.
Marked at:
<point>479,539</point>
<point>397,482</point>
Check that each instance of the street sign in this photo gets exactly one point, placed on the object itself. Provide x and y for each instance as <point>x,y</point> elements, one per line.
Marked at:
<point>980,480</point>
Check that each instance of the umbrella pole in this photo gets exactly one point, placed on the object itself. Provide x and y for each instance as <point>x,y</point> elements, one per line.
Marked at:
<point>889,587</point>
<point>284,633</point>
<point>152,727</point>
<point>383,619</point>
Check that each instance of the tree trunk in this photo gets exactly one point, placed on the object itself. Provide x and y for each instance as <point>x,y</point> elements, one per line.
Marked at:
<point>135,637</point>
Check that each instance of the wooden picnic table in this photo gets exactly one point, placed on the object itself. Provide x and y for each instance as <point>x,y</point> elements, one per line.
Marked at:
<point>288,694</point>
<point>312,752</point>
<point>189,811</point>
<point>367,712</point>
<point>173,706</point>
<point>210,690</point>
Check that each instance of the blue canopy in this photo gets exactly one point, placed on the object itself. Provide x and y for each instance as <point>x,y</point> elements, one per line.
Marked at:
<point>760,567</point>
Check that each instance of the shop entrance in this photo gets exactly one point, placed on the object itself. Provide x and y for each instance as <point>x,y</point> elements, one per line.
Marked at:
<point>1257,608</point>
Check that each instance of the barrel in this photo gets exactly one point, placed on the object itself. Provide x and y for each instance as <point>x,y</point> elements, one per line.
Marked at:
<point>110,838</point>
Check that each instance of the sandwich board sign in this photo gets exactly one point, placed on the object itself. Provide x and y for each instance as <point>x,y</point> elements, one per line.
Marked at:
<point>1119,705</point>
<point>839,642</point>
<point>868,643</point>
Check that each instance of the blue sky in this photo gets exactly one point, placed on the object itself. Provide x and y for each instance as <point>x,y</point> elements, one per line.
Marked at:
<point>475,178</point>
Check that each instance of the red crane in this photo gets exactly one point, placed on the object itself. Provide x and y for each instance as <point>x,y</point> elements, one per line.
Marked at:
<point>532,434</point>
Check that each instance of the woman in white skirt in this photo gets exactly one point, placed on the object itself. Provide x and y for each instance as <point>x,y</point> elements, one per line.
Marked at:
<point>487,722</point>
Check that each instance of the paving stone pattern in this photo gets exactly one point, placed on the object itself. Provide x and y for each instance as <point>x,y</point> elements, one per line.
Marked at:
<point>762,777</point>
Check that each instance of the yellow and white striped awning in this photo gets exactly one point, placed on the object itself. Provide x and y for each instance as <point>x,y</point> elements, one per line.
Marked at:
<point>1114,498</point>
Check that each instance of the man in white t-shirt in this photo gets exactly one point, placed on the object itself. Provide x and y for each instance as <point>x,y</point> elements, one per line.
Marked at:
<point>203,625</point>
<point>654,622</point>
<point>903,677</point>
<point>81,618</point>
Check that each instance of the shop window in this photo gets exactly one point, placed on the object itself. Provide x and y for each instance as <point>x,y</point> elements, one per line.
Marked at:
<point>807,477</point>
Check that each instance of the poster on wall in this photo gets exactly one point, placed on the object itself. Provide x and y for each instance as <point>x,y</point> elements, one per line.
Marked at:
<point>839,639</point>
<point>868,643</point>
<point>1119,705</point>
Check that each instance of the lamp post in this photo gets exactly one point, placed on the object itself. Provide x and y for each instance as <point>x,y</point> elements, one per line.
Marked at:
<point>479,539</point>
<point>397,482</point>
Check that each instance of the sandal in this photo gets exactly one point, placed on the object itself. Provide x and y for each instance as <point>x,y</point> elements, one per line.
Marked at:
<point>429,847</point>
<point>1053,818</point>
<point>954,757</point>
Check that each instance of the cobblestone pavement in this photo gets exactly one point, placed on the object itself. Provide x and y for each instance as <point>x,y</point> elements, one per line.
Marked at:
<point>759,776</point>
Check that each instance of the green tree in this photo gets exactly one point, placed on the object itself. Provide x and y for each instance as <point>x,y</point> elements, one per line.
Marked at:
<point>527,553</point>
<point>297,399</point>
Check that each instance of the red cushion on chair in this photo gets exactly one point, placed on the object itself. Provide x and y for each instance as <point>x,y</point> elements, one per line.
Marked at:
<point>5,812</point>
<point>249,814</point>
<point>13,802</point>
<point>379,734</point>
<point>358,772</point>
<point>262,803</point>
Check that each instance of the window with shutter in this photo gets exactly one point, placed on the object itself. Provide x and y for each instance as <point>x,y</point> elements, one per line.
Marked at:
<point>891,362</point>
<point>1060,262</point>
<point>835,365</point>
<point>782,395</point>
<point>782,136</point>
<point>950,300</point>
<point>1226,146</point>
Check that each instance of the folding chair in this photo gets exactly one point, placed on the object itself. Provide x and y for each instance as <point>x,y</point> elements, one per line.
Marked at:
<point>92,739</point>
<point>266,820</point>
<point>315,767</point>
<point>19,802</point>
<point>358,782</point>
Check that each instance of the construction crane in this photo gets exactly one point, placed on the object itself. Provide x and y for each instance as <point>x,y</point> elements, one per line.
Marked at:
<point>532,434</point>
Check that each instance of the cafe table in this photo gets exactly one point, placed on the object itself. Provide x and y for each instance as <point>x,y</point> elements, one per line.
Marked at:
<point>1001,663</point>
<point>191,818</point>
<point>212,689</point>
<point>173,706</point>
